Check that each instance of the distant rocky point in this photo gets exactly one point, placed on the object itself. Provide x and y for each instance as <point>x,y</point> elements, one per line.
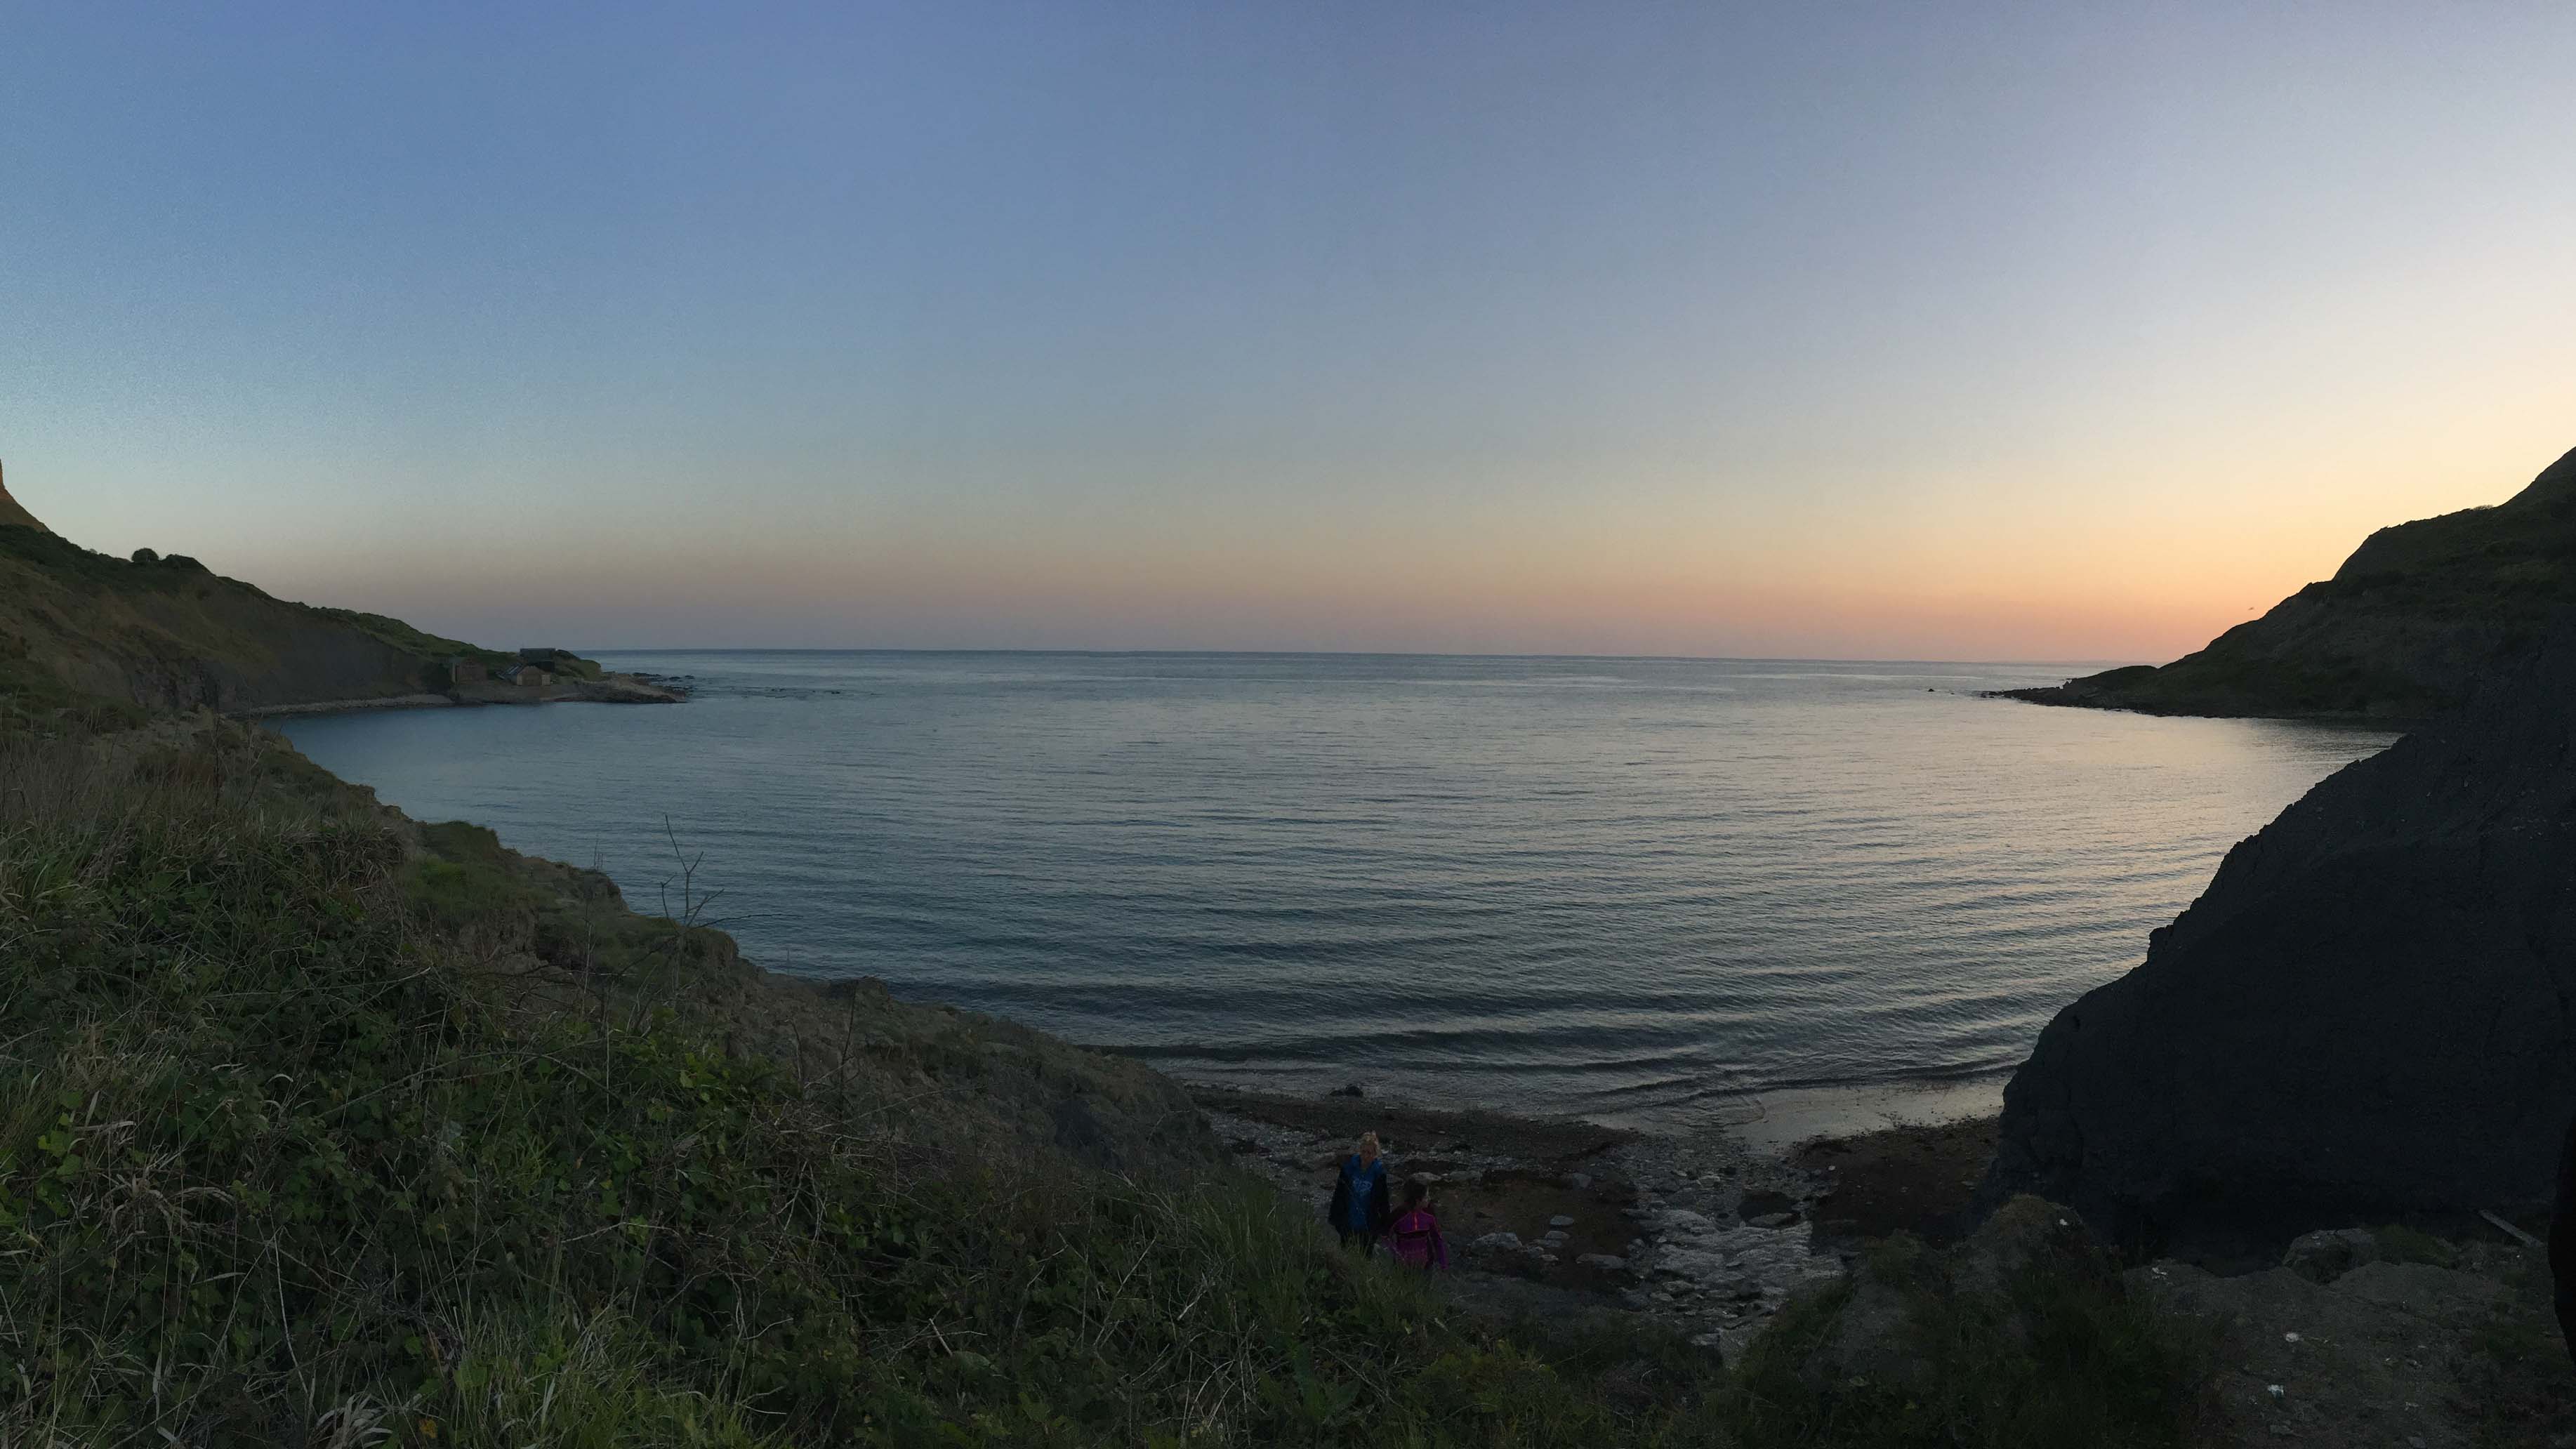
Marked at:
<point>2402,632</point>
<point>2372,1009</point>
<point>80,629</point>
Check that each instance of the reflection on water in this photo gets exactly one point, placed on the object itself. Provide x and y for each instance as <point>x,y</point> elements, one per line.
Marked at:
<point>1631,889</point>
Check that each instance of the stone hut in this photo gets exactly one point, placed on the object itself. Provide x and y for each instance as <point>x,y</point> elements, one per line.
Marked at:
<point>466,669</point>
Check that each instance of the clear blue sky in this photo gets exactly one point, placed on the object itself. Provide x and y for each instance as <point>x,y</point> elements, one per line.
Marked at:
<point>1962,331</point>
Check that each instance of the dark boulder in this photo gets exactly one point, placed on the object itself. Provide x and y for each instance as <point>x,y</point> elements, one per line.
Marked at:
<point>2562,1242</point>
<point>2372,1007</point>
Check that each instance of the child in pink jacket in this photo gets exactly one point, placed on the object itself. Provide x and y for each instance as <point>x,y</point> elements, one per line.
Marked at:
<point>1414,1236</point>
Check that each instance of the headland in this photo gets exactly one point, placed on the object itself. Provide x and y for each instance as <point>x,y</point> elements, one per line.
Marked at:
<point>493,1147</point>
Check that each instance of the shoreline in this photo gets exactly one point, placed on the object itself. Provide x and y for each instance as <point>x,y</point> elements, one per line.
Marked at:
<point>609,690</point>
<point>2059,696</point>
<point>1709,1231</point>
<point>1775,1120</point>
<point>345,706</point>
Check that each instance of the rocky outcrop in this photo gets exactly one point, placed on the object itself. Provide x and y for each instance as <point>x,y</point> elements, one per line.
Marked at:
<point>13,514</point>
<point>164,632</point>
<point>2368,1356</point>
<point>1902,1290</point>
<point>2403,631</point>
<point>2372,1007</point>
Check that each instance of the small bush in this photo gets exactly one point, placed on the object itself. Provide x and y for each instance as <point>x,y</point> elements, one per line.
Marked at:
<point>2401,1244</point>
<point>2064,1357</point>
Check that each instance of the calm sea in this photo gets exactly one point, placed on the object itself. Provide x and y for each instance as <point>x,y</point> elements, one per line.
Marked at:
<point>1632,889</point>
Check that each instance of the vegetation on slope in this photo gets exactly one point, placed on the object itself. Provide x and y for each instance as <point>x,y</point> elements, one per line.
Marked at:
<point>2405,629</point>
<point>164,632</point>
<point>325,1128</point>
<point>319,1126</point>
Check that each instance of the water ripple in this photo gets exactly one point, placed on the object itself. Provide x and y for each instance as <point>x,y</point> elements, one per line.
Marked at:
<point>1631,888</point>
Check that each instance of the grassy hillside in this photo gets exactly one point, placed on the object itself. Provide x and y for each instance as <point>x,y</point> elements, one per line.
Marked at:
<point>166,633</point>
<point>2403,630</point>
<point>323,1127</point>
<point>321,1124</point>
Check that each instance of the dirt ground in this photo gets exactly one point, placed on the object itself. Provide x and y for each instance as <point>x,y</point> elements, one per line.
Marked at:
<point>1917,1179</point>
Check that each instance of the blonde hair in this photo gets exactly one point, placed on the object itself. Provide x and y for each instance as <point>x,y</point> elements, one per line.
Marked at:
<point>1369,1147</point>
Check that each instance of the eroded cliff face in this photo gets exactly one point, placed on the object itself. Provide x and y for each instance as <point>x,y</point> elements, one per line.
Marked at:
<point>168,634</point>
<point>2403,631</point>
<point>2373,1006</point>
<point>13,514</point>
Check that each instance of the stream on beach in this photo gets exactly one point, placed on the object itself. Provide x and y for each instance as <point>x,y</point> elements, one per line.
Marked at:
<point>1661,893</point>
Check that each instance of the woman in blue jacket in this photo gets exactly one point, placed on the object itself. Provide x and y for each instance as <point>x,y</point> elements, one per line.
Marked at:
<point>1360,1207</point>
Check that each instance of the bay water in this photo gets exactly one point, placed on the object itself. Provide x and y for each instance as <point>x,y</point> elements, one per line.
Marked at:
<point>1643,891</point>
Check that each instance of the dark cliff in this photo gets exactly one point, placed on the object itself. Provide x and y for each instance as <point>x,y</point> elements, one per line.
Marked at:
<point>2401,632</point>
<point>2372,1007</point>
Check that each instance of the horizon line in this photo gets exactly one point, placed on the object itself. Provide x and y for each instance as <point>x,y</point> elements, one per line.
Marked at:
<point>1340,654</point>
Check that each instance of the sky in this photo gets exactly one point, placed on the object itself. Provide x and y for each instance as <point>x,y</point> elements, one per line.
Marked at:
<point>2010,332</point>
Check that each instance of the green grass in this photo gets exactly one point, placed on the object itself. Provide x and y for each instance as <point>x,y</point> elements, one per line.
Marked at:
<point>2061,1357</point>
<point>2484,579</point>
<point>319,1128</point>
<point>413,641</point>
<point>281,1158</point>
<point>2398,1243</point>
<point>175,606</point>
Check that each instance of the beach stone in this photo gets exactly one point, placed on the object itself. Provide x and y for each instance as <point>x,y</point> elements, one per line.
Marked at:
<point>1560,1221</point>
<point>2365,1009</point>
<point>1690,1262</point>
<point>1773,1220</point>
<point>1606,1262</point>
<point>1498,1243</point>
<point>1579,1181</point>
<point>2328,1254</point>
